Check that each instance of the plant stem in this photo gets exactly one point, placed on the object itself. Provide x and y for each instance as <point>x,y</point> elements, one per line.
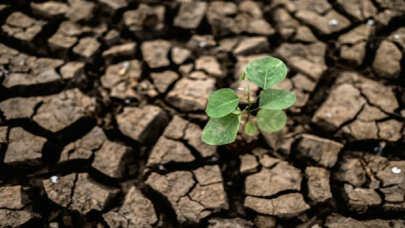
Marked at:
<point>250,103</point>
<point>257,97</point>
<point>248,90</point>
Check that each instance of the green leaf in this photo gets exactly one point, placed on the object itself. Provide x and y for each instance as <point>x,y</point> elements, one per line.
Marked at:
<point>220,131</point>
<point>277,99</point>
<point>242,78</point>
<point>266,72</point>
<point>250,128</point>
<point>221,103</point>
<point>271,120</point>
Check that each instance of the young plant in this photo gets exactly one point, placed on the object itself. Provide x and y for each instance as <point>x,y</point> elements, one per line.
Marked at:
<point>226,115</point>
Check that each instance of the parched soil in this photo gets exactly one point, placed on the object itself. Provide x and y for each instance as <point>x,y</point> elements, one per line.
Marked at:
<point>102,110</point>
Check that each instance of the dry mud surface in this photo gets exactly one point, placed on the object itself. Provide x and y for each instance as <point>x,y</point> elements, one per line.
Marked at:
<point>102,109</point>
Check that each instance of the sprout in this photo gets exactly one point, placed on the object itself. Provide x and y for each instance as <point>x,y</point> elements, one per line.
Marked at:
<point>226,115</point>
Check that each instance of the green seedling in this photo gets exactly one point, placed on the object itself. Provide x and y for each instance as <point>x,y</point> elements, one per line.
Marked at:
<point>223,105</point>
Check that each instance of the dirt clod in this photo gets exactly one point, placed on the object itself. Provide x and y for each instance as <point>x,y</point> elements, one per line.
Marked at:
<point>190,14</point>
<point>156,53</point>
<point>167,150</point>
<point>387,61</point>
<point>24,147</point>
<point>13,198</point>
<point>288,205</point>
<point>16,108</point>
<point>111,159</point>
<point>318,184</point>
<point>142,124</point>
<point>61,192</point>
<point>269,182</point>
<point>62,110</point>
<point>360,199</point>
<point>190,95</point>
<point>88,195</point>
<point>137,211</point>
<point>319,151</point>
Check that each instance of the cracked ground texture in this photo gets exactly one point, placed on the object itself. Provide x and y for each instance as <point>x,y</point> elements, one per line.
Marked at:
<point>102,111</point>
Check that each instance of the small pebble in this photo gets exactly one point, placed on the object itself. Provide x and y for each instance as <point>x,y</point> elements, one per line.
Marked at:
<point>124,68</point>
<point>162,167</point>
<point>333,22</point>
<point>370,22</point>
<point>203,44</point>
<point>396,36</point>
<point>127,101</point>
<point>55,179</point>
<point>396,170</point>
<point>213,159</point>
<point>378,150</point>
<point>329,115</point>
<point>5,72</point>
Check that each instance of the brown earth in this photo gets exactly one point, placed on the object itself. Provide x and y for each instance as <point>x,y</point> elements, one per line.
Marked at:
<point>102,110</point>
